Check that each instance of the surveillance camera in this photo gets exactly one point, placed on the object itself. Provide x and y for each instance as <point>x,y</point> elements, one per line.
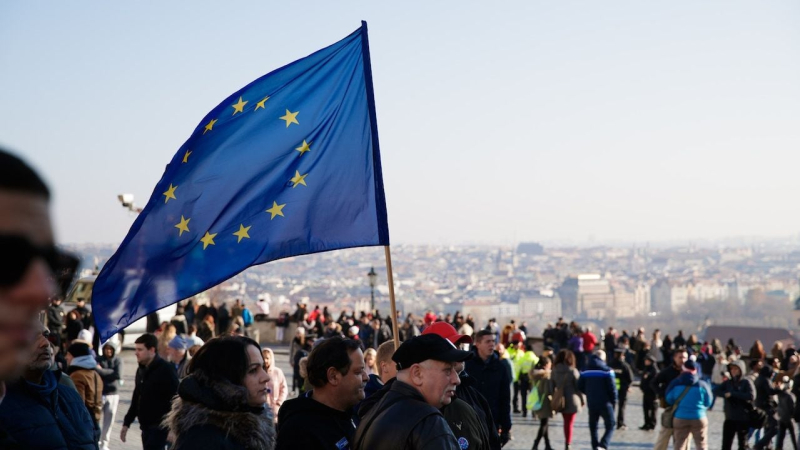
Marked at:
<point>126,199</point>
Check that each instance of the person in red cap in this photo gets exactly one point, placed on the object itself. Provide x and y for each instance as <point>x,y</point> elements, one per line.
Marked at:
<point>447,331</point>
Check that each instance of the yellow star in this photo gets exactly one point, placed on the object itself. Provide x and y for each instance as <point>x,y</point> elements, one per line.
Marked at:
<point>238,107</point>
<point>304,148</point>
<point>186,156</point>
<point>290,118</point>
<point>208,239</point>
<point>242,233</point>
<point>276,210</point>
<point>183,226</point>
<point>170,193</point>
<point>298,179</point>
<point>210,125</point>
<point>261,103</point>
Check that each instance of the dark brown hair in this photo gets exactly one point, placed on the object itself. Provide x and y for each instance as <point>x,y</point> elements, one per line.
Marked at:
<point>566,357</point>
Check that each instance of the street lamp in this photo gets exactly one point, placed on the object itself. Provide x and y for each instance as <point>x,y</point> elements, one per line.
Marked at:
<point>127,202</point>
<point>373,280</point>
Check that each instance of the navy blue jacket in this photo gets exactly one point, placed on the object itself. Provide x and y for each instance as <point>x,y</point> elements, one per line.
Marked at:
<point>597,382</point>
<point>374,384</point>
<point>493,379</point>
<point>47,416</point>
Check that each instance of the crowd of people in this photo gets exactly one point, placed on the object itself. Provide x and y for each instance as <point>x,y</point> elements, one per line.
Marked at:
<point>201,382</point>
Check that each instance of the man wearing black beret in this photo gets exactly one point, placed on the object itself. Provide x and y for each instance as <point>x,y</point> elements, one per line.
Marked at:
<point>408,416</point>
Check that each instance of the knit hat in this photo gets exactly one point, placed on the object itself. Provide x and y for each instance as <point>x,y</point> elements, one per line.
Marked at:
<point>79,349</point>
<point>178,343</point>
<point>690,366</point>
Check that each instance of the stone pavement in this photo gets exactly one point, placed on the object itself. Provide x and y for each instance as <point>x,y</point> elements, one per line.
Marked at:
<point>523,431</point>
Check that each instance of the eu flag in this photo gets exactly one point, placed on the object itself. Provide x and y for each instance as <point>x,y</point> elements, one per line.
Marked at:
<point>286,166</point>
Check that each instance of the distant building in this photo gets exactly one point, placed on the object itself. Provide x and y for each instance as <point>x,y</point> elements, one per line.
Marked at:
<point>530,248</point>
<point>595,297</point>
<point>668,296</point>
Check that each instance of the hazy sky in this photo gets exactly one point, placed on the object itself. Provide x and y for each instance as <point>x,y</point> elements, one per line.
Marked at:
<point>498,122</point>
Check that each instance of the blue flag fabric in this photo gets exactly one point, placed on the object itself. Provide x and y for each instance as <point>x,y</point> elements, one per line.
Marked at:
<point>286,166</point>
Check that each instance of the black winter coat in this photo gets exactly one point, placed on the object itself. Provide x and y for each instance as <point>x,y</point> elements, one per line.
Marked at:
<point>648,375</point>
<point>663,379</point>
<point>466,391</point>
<point>493,380</point>
<point>742,395</point>
<point>624,373</point>
<point>55,318</point>
<point>306,423</point>
<point>403,420</point>
<point>215,414</point>
<point>49,416</point>
<point>765,392</point>
<point>156,384</point>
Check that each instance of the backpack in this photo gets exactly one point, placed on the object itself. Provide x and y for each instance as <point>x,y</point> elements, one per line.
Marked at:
<point>534,400</point>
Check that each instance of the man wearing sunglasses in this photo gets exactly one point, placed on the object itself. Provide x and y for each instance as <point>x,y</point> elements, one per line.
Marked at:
<point>31,268</point>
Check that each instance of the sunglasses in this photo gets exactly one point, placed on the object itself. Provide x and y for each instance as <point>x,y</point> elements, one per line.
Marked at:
<point>17,253</point>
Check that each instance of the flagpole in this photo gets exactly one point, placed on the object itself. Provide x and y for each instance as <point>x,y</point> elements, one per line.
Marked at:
<point>395,330</point>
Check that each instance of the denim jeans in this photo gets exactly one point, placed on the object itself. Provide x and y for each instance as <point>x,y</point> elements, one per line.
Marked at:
<point>607,414</point>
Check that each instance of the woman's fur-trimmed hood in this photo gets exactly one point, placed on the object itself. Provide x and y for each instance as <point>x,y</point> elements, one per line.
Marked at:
<point>222,405</point>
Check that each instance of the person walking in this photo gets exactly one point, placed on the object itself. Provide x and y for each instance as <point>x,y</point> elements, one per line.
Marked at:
<point>597,383</point>
<point>109,366</point>
<point>739,394</point>
<point>690,397</point>
<point>156,384</point>
<point>543,384</point>
<point>567,398</point>
<point>623,376</point>
<point>522,361</point>
<point>221,404</point>
<point>649,395</point>
<point>786,412</point>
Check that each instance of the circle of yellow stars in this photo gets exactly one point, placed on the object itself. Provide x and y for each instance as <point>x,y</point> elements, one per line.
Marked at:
<point>290,118</point>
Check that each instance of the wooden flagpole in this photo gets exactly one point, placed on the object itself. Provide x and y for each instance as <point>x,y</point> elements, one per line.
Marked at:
<point>395,330</point>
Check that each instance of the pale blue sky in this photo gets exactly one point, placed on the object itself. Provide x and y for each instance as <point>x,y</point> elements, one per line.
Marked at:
<point>546,120</point>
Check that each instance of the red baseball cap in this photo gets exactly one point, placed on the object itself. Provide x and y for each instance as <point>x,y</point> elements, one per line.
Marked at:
<point>447,331</point>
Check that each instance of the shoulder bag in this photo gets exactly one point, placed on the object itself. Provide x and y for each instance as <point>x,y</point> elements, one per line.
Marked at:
<point>669,411</point>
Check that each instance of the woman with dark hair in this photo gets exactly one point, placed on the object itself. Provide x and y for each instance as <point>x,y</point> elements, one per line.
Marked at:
<point>544,388</point>
<point>565,379</point>
<point>221,402</point>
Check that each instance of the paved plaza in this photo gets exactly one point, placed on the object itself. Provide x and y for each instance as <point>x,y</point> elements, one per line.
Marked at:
<point>523,431</point>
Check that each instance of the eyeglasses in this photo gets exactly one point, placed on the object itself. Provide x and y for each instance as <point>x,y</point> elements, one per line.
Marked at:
<point>17,253</point>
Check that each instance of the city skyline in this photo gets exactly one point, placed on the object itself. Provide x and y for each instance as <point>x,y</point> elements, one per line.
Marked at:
<point>557,123</point>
